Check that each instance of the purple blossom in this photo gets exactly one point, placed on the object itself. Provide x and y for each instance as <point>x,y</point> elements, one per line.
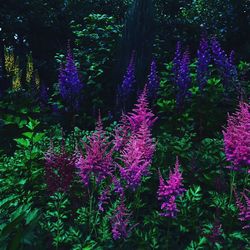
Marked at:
<point>153,81</point>
<point>203,55</point>
<point>120,222</point>
<point>127,86</point>
<point>98,158</point>
<point>224,64</point>
<point>59,168</point>
<point>237,138</point>
<point>141,113</point>
<point>44,96</point>
<point>169,191</point>
<point>183,79</point>
<point>70,85</point>
<point>103,199</point>
<point>181,74</point>
<point>177,61</point>
<point>244,208</point>
<point>137,157</point>
<point>118,189</point>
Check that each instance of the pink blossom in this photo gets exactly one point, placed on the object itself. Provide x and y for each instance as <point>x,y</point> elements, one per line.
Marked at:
<point>98,158</point>
<point>244,208</point>
<point>141,113</point>
<point>170,190</point>
<point>59,168</point>
<point>137,156</point>
<point>237,138</point>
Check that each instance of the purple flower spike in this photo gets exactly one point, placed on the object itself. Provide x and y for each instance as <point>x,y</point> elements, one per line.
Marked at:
<point>153,81</point>
<point>127,86</point>
<point>224,64</point>
<point>70,85</point>
<point>204,58</point>
<point>103,199</point>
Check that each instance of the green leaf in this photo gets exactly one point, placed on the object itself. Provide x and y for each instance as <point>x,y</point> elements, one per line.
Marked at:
<point>23,142</point>
<point>38,137</point>
<point>28,134</point>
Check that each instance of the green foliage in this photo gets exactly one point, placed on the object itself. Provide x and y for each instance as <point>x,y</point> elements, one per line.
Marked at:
<point>54,219</point>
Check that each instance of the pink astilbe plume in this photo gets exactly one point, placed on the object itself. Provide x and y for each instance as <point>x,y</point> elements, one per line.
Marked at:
<point>98,158</point>
<point>237,138</point>
<point>122,133</point>
<point>120,222</point>
<point>59,169</point>
<point>141,113</point>
<point>244,208</point>
<point>137,156</point>
<point>168,191</point>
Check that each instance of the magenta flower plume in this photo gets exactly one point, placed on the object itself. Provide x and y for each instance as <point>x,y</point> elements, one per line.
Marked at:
<point>122,133</point>
<point>120,222</point>
<point>59,169</point>
<point>141,113</point>
<point>237,138</point>
<point>98,158</point>
<point>137,156</point>
<point>70,85</point>
<point>169,191</point>
<point>244,209</point>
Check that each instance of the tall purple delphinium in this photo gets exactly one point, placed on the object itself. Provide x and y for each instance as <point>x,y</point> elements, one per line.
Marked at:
<point>169,191</point>
<point>44,96</point>
<point>70,85</point>
<point>98,157</point>
<point>177,61</point>
<point>183,79</point>
<point>120,222</point>
<point>137,157</point>
<point>127,87</point>
<point>59,168</point>
<point>203,60</point>
<point>244,209</point>
<point>224,64</point>
<point>141,113</point>
<point>237,138</point>
<point>153,81</point>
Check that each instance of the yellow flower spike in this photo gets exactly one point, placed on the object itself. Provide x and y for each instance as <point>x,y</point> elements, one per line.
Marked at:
<point>29,68</point>
<point>17,74</point>
<point>9,60</point>
<point>37,79</point>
